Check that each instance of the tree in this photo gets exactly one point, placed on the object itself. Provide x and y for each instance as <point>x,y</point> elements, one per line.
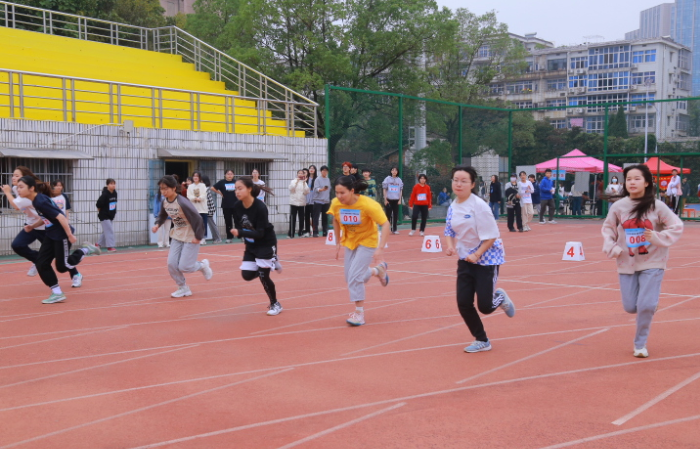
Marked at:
<point>146,13</point>
<point>617,126</point>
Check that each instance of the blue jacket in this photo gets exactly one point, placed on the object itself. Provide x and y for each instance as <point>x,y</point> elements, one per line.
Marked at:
<point>536,193</point>
<point>546,188</point>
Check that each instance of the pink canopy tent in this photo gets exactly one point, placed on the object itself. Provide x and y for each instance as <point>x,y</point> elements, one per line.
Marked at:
<point>575,164</point>
<point>657,166</point>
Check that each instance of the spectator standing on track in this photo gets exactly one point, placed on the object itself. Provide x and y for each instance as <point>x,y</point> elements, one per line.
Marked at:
<point>227,189</point>
<point>525,190</point>
<point>638,232</point>
<point>393,192</point>
<point>371,191</point>
<point>613,191</point>
<point>251,221</point>
<point>535,194</point>
<point>495,197</point>
<point>513,206</point>
<point>298,189</point>
<point>197,194</point>
<point>685,193</point>
<point>355,220</point>
<point>260,183</point>
<point>322,198</point>
<point>472,234</point>
<point>312,175</point>
<point>187,232</point>
<point>674,191</point>
<point>106,211</point>
<point>421,201</point>
<point>163,233</point>
<point>547,197</point>
<point>576,201</point>
<point>211,210</point>
<point>57,240</point>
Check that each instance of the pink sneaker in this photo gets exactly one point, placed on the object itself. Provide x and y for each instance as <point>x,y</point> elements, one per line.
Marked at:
<point>356,319</point>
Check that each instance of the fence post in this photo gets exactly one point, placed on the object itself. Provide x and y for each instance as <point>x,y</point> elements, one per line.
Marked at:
<point>604,204</point>
<point>459,138</point>
<point>400,220</point>
<point>327,121</point>
<point>510,143</point>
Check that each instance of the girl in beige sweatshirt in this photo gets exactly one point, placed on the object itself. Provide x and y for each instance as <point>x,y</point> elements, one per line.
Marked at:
<point>638,232</point>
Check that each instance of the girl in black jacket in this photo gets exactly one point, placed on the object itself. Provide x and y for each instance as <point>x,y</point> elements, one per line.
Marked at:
<point>106,211</point>
<point>495,196</point>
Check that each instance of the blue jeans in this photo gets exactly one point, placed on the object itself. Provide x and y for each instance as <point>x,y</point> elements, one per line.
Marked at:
<point>495,208</point>
<point>576,202</point>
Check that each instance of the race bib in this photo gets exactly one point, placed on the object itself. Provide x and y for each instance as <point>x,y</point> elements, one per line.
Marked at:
<point>47,223</point>
<point>350,217</point>
<point>394,189</point>
<point>635,238</point>
<point>230,187</point>
<point>113,205</point>
<point>422,197</point>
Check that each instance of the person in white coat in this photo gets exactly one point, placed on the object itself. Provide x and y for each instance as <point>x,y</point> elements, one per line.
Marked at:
<point>674,191</point>
<point>298,189</point>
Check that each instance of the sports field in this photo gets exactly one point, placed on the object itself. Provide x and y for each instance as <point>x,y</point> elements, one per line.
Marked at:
<point>120,364</point>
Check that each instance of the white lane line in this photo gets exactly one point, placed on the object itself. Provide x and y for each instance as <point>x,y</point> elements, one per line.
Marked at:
<point>623,432</point>
<point>95,367</point>
<point>402,399</point>
<point>341,426</point>
<point>671,306</point>
<point>66,336</point>
<point>659,398</point>
<point>403,339</point>
<point>148,407</point>
<point>532,356</point>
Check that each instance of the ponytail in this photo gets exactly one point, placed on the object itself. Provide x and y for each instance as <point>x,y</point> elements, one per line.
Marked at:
<point>39,186</point>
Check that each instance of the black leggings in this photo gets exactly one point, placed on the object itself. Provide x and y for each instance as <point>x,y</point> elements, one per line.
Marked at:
<point>392,213</point>
<point>480,280</point>
<point>294,212</point>
<point>423,210</point>
<point>264,275</point>
<point>228,219</point>
<point>308,212</point>
<point>59,250</point>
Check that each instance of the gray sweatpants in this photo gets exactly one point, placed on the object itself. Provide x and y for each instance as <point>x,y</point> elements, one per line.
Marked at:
<point>107,239</point>
<point>182,258</point>
<point>357,271</point>
<point>640,295</point>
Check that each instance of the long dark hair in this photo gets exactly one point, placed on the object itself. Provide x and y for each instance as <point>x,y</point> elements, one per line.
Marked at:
<point>39,187</point>
<point>648,201</point>
<point>315,172</point>
<point>170,181</point>
<point>255,189</point>
<point>352,183</point>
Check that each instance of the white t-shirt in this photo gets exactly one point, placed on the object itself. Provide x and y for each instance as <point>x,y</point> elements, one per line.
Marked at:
<point>260,183</point>
<point>25,205</point>
<point>525,190</point>
<point>60,201</point>
<point>469,223</point>
<point>674,187</point>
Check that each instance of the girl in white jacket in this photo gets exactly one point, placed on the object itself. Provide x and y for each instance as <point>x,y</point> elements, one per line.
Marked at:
<point>197,194</point>
<point>298,189</point>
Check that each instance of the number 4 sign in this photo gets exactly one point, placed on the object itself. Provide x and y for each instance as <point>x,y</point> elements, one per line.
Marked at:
<point>573,251</point>
<point>431,244</point>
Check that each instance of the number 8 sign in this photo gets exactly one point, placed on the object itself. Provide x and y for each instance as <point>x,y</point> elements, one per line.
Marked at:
<point>431,244</point>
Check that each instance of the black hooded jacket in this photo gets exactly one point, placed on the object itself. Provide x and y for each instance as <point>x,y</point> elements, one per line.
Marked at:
<point>107,205</point>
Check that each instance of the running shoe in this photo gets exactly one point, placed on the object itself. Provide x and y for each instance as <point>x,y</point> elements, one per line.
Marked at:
<point>356,319</point>
<point>77,280</point>
<point>112,250</point>
<point>92,249</point>
<point>395,232</point>
<point>478,346</point>
<point>306,234</point>
<point>274,309</point>
<point>206,270</point>
<point>55,297</point>
<point>411,233</point>
<point>181,291</point>
<point>382,275</point>
<point>552,222</point>
<point>543,222</point>
<point>278,266</point>
<point>203,242</point>
<point>32,271</point>
<point>641,353</point>
<point>506,303</point>
<point>422,234</point>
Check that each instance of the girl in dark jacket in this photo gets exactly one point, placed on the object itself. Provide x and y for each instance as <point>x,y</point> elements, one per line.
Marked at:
<point>495,196</point>
<point>106,211</point>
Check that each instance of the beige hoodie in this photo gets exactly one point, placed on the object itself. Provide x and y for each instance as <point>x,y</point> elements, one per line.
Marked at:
<point>621,226</point>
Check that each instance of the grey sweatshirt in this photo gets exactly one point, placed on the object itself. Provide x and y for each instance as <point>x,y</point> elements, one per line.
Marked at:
<point>325,196</point>
<point>191,213</point>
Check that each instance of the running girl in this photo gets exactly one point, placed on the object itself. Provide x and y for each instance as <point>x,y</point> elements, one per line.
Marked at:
<point>58,239</point>
<point>355,220</point>
<point>186,233</point>
<point>471,232</point>
<point>252,225</point>
<point>638,232</point>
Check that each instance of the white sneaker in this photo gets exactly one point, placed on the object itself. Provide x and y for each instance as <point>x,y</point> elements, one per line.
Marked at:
<point>356,319</point>
<point>306,234</point>
<point>32,271</point>
<point>641,353</point>
<point>160,245</point>
<point>275,309</point>
<point>411,233</point>
<point>77,280</point>
<point>422,234</point>
<point>181,291</point>
<point>552,222</point>
<point>203,242</point>
<point>206,270</point>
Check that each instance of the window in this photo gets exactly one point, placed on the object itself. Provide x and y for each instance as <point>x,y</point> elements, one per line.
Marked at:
<point>556,84</point>
<point>682,123</point>
<point>580,62</point>
<point>682,104</point>
<point>615,57</point>
<point>601,99</point>
<point>639,77</point>
<point>684,59</point>
<point>558,123</point>
<point>520,87</point>
<point>556,103</point>
<point>608,81</point>
<point>556,64</point>
<point>595,124</point>
<point>46,169</point>
<point>577,81</point>
<point>643,56</point>
<point>496,89</point>
<point>485,52</point>
<point>639,98</point>
<point>522,104</point>
<point>638,121</point>
<point>684,82</point>
<point>578,101</point>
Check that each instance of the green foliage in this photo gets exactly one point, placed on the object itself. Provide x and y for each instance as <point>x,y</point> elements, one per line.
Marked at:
<point>147,13</point>
<point>617,126</point>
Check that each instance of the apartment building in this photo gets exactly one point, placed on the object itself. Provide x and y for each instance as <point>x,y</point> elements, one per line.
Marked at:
<point>589,75</point>
<point>653,22</point>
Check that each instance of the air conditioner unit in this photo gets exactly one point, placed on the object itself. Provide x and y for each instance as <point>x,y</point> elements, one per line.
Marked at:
<point>579,110</point>
<point>633,108</point>
<point>633,67</point>
<point>581,90</point>
<point>633,87</point>
<point>572,91</point>
<point>580,71</point>
<point>570,112</point>
<point>562,94</point>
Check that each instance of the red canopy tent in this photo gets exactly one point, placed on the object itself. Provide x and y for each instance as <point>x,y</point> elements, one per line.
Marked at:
<point>580,163</point>
<point>658,166</point>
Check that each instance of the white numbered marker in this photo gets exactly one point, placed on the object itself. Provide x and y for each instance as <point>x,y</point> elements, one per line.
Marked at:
<point>431,244</point>
<point>330,240</point>
<point>573,251</point>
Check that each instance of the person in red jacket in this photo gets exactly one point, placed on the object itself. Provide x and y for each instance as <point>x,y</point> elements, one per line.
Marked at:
<point>421,201</point>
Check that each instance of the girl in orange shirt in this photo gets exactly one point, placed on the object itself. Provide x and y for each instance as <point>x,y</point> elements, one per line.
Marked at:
<point>421,201</point>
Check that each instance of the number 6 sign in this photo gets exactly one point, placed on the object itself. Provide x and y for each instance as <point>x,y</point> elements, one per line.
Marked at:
<point>431,244</point>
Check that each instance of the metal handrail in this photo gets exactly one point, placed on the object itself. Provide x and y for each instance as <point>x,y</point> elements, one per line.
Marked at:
<point>248,82</point>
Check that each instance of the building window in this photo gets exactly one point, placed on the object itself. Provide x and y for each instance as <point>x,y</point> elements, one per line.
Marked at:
<point>638,78</point>
<point>639,98</point>
<point>556,84</point>
<point>520,87</point>
<point>579,62</point>
<point>601,99</point>
<point>682,104</point>
<point>684,81</point>
<point>684,59</point>
<point>577,81</point>
<point>556,103</point>
<point>638,121</point>
<point>608,81</point>
<point>45,169</point>
<point>485,52</point>
<point>522,104</point>
<point>496,89</point>
<point>595,124</point>
<point>578,101</point>
<point>558,123</point>
<point>556,64</point>
<point>643,56</point>
<point>682,123</point>
<point>615,57</point>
